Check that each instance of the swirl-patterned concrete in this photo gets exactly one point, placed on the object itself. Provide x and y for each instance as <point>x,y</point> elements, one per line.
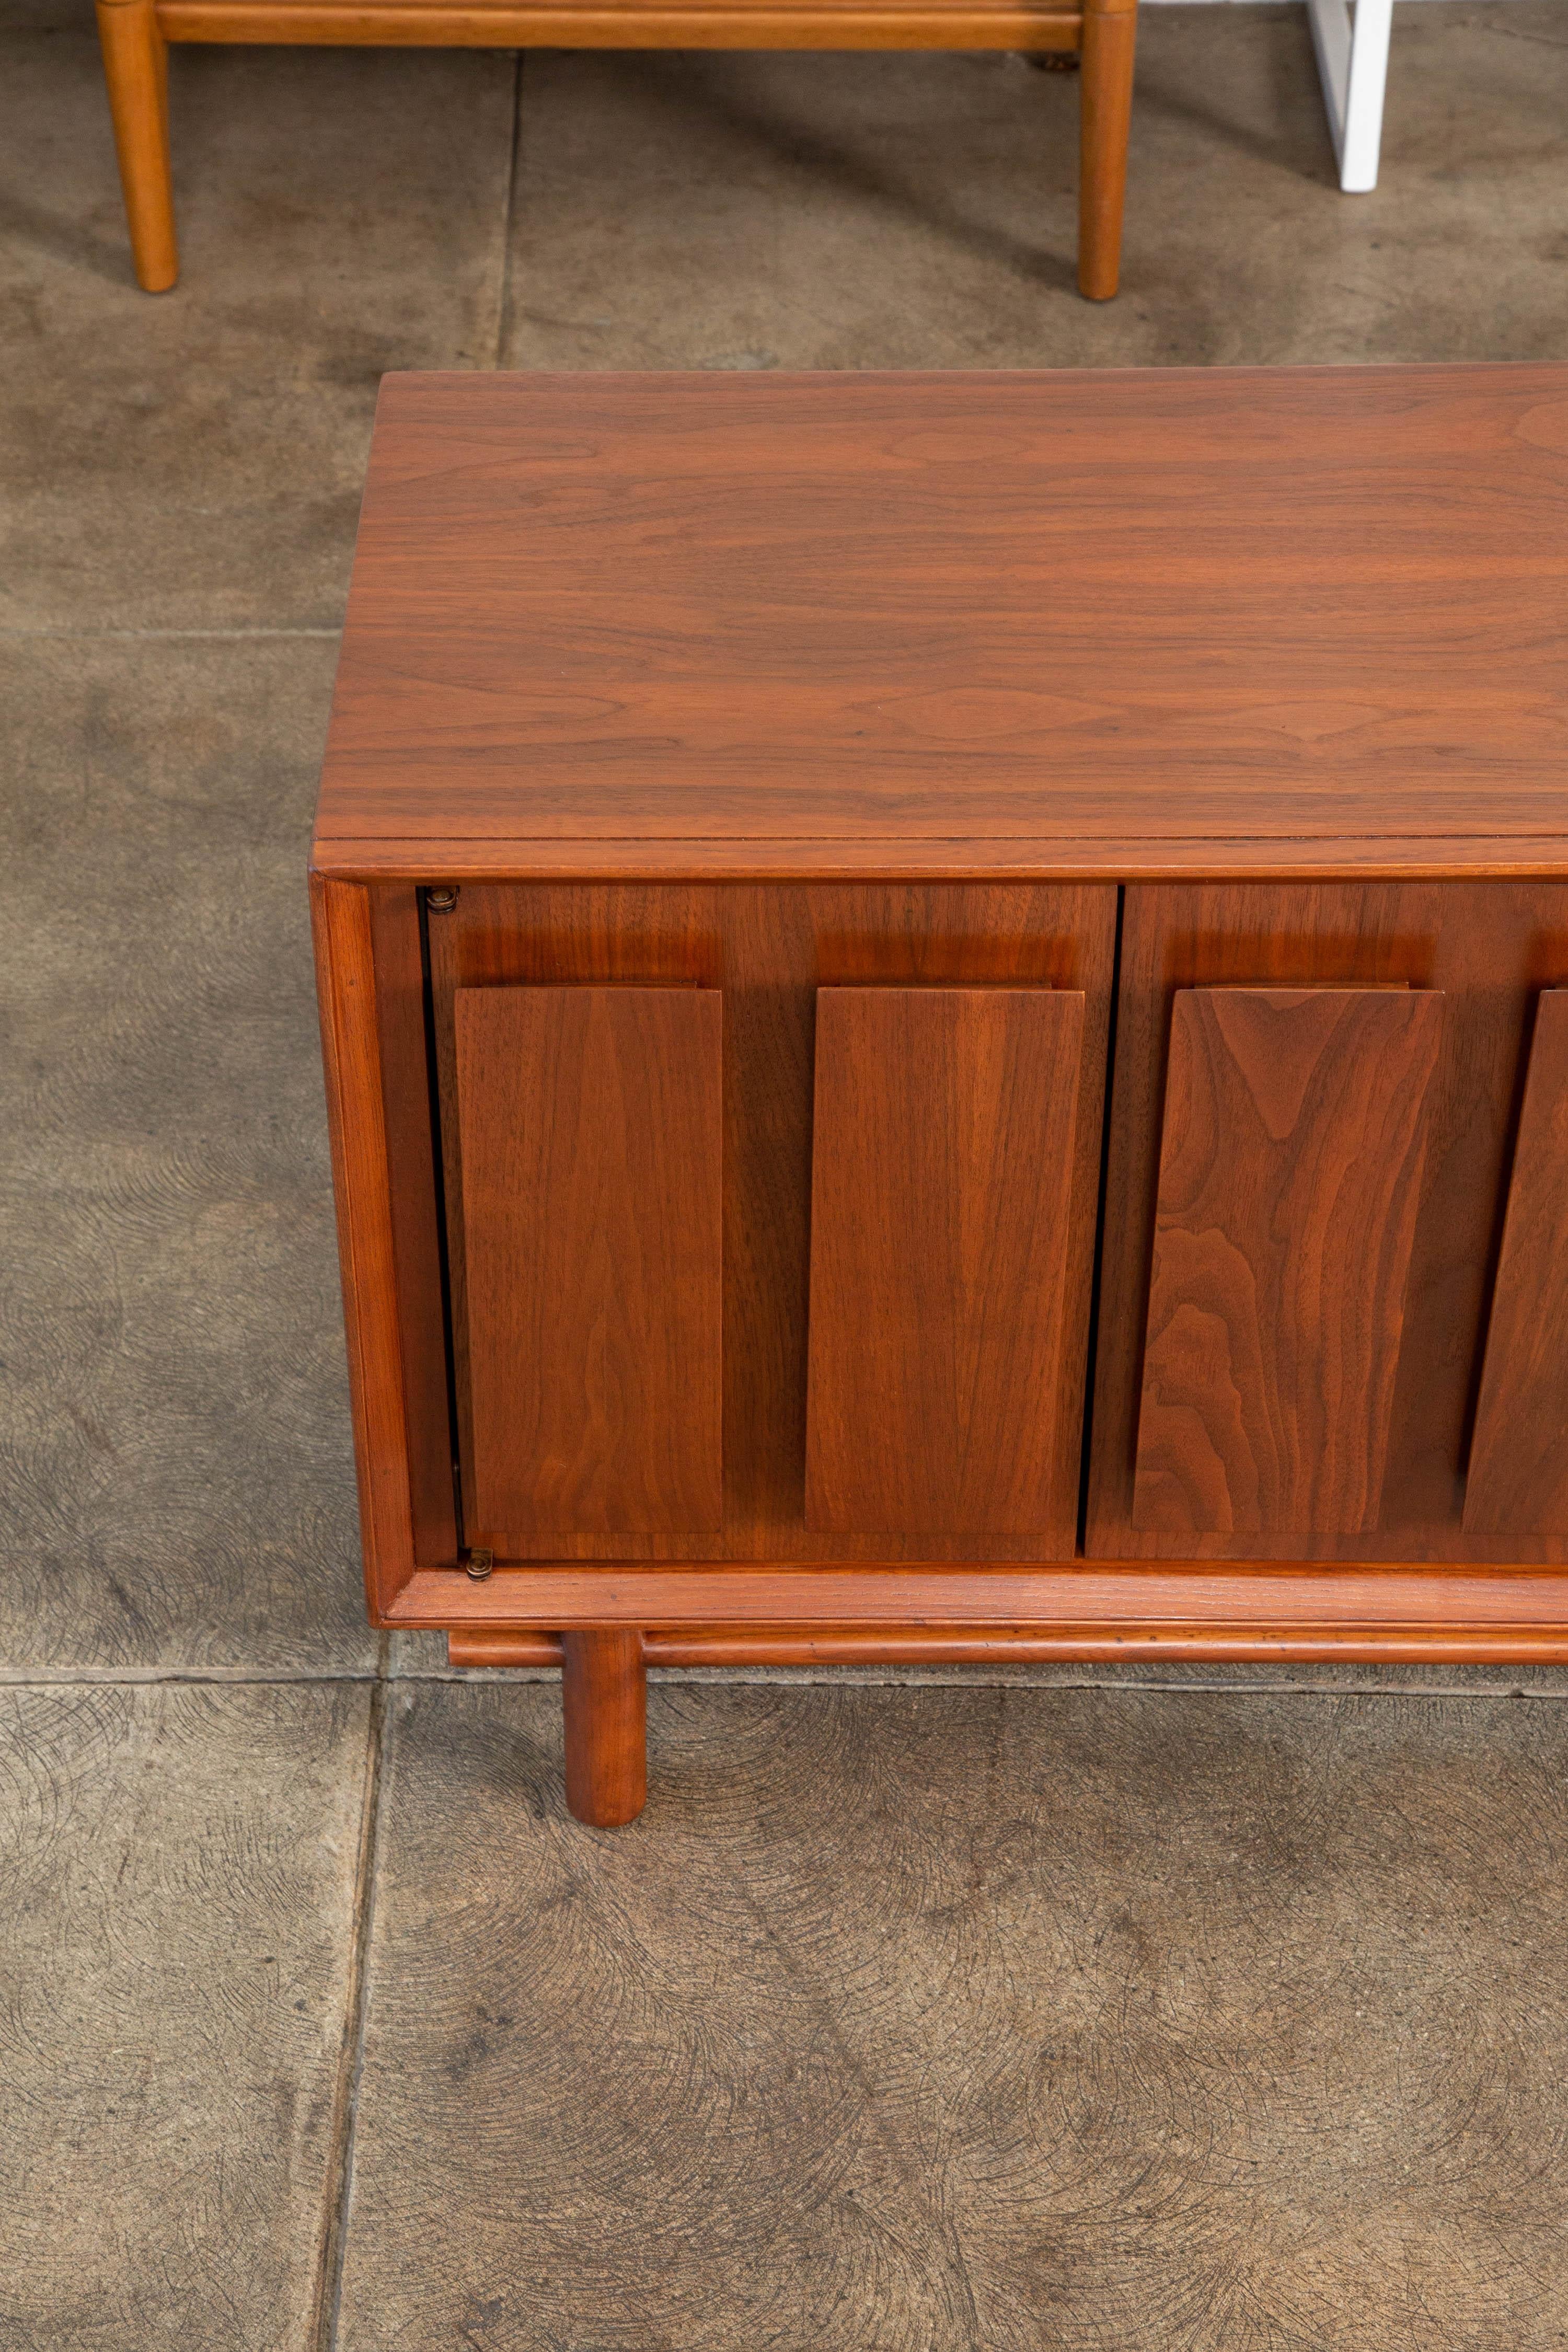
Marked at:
<point>175,1485</point>
<point>924,2019</point>
<point>178,1873</point>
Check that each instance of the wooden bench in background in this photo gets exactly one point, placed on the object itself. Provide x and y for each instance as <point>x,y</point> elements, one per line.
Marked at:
<point>136,34</point>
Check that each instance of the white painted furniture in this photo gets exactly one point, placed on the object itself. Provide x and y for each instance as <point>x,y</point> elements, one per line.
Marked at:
<point>1353,60</point>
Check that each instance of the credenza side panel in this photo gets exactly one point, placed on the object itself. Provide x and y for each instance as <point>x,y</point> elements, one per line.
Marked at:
<point>416,1226</point>
<point>1519,1461</point>
<point>942,1167</point>
<point>1295,1134</point>
<point>1489,948</point>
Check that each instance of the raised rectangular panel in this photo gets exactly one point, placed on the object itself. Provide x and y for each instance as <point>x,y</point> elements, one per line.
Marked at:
<point>1519,1459</point>
<point>942,1160</point>
<point>1290,1170</point>
<point>591,1133</point>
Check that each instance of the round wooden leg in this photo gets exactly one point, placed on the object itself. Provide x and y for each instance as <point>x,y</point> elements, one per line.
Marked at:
<point>136,69</point>
<point>1105,116</point>
<point>603,1690</point>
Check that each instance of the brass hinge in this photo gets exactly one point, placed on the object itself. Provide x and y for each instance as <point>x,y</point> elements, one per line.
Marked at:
<point>478,1563</point>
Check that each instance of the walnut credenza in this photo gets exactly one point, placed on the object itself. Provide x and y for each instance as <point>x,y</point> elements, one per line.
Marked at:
<point>946,1018</point>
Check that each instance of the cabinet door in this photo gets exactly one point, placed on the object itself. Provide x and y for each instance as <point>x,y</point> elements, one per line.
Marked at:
<point>1518,1460</point>
<point>1290,1167</point>
<point>942,1160</point>
<point>1489,949</point>
<point>590,1121</point>
<point>772,949</point>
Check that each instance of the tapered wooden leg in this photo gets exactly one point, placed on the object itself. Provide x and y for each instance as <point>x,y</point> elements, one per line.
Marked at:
<point>136,67</point>
<point>603,1689</point>
<point>1105,115</point>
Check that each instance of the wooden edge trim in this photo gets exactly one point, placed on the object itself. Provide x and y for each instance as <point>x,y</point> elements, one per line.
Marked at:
<point>564,25</point>
<point>1079,860</point>
<point>345,983</point>
<point>1220,1600</point>
<point>860,1646</point>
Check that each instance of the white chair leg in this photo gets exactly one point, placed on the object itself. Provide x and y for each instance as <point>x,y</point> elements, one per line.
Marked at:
<point>1352,61</point>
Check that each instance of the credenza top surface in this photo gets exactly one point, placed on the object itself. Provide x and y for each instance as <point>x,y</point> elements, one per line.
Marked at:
<point>1114,623</point>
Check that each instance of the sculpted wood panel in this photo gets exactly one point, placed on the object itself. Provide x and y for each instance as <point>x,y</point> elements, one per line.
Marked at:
<point>770,949</point>
<point>1290,1177</point>
<point>1491,948</point>
<point>943,1167</point>
<point>1519,1461</point>
<point>592,1173</point>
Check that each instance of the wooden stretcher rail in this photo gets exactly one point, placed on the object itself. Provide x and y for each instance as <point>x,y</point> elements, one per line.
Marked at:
<point>1204,1600</point>
<point>824,26</point>
<point>861,1645</point>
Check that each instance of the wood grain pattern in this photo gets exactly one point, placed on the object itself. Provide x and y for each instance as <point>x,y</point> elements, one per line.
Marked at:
<point>770,949</point>
<point>361,1185</point>
<point>943,1165</point>
<point>592,1176</point>
<point>1490,947</point>
<point>1289,1176</point>
<point>1518,1460</point>
<point>1215,606</point>
<point>1215,1597</point>
<point>878,685</point>
<point>1108,858</point>
<point>604,1691</point>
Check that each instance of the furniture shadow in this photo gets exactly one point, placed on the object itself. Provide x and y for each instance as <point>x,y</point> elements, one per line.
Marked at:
<point>1303,144</point>
<point>677,83</point>
<point>26,228</point>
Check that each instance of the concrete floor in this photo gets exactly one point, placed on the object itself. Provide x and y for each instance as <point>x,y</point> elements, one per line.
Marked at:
<point>1212,2012</point>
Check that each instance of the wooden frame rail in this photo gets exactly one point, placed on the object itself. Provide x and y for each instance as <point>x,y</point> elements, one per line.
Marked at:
<point>738,1614</point>
<point>1000,1645</point>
